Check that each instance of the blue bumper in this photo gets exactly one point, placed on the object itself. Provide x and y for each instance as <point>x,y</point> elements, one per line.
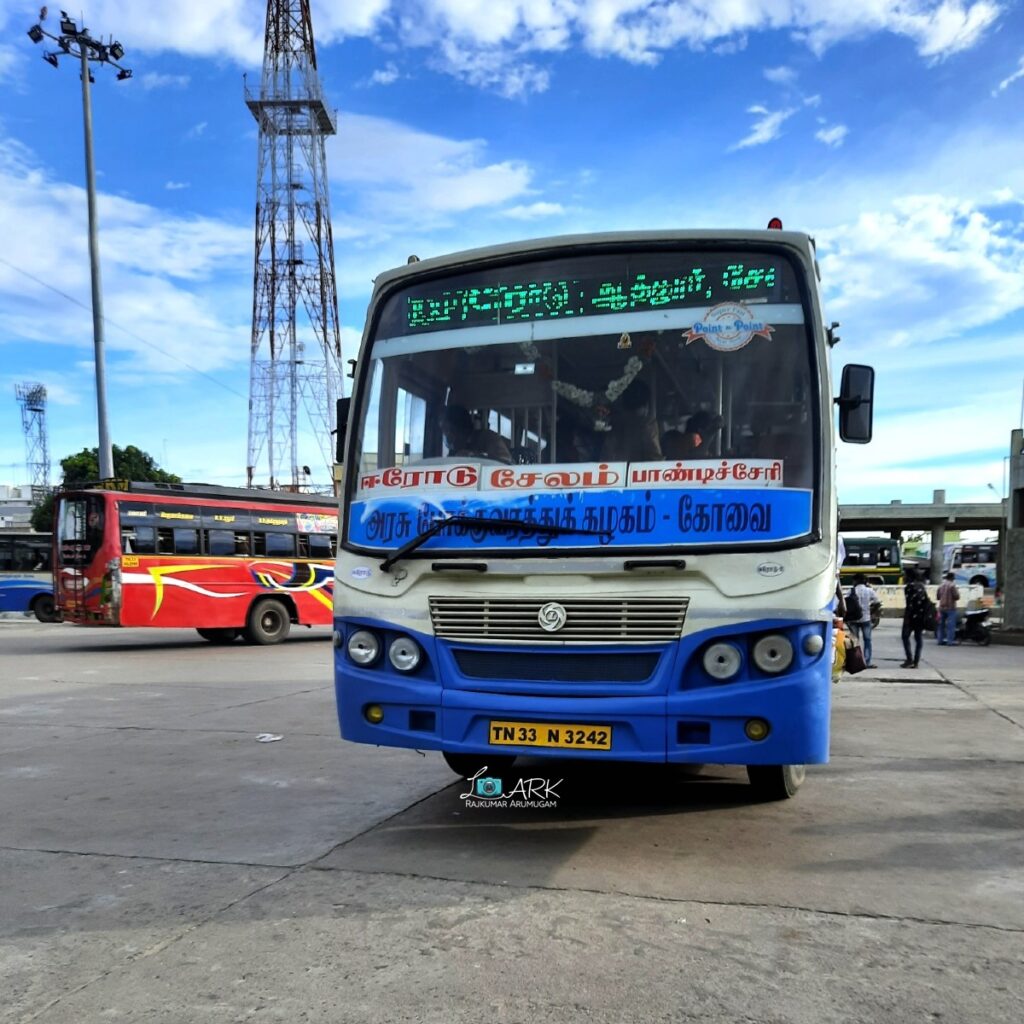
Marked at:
<point>674,713</point>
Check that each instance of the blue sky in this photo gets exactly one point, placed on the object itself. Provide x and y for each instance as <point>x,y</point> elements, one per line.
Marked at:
<point>891,131</point>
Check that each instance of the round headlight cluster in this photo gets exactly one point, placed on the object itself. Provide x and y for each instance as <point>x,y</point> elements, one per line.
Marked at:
<point>405,654</point>
<point>773,653</point>
<point>722,661</point>
<point>363,647</point>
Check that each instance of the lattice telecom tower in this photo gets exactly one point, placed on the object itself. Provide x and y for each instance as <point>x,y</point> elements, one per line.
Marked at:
<point>32,399</point>
<point>296,346</point>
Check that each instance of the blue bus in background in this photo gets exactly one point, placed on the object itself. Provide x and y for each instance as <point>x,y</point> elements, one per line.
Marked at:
<point>26,577</point>
<point>589,505</point>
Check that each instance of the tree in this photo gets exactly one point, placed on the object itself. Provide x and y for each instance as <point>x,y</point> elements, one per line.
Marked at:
<point>83,467</point>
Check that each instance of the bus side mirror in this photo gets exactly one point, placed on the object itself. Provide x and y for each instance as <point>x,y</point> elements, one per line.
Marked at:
<point>342,432</point>
<point>856,403</point>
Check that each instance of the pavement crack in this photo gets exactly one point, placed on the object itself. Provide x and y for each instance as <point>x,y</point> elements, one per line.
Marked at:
<point>862,915</point>
<point>154,858</point>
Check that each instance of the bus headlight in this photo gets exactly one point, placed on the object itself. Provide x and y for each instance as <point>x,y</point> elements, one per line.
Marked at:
<point>363,647</point>
<point>405,654</point>
<point>773,654</point>
<point>722,661</point>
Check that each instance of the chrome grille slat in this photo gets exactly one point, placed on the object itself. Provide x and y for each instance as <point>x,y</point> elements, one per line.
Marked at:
<point>594,620</point>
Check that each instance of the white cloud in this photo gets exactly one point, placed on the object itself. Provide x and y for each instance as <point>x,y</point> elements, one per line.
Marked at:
<point>197,130</point>
<point>768,126</point>
<point>534,211</point>
<point>1010,79</point>
<point>174,186</point>
<point>386,75</point>
<point>157,272</point>
<point>489,44</point>
<point>404,173</point>
<point>155,80</point>
<point>924,268</point>
<point>11,60</point>
<point>780,75</point>
<point>832,136</point>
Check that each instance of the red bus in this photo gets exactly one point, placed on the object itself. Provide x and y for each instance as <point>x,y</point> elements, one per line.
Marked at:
<point>224,561</point>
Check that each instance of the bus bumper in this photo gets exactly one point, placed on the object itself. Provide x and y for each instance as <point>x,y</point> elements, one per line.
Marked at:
<point>700,725</point>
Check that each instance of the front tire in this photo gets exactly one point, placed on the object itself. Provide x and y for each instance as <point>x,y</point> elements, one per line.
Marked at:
<point>468,765</point>
<point>268,623</point>
<point>219,636</point>
<point>776,781</point>
<point>45,609</point>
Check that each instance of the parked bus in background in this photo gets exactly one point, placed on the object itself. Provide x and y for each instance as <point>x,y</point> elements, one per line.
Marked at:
<point>26,574</point>
<point>972,563</point>
<point>877,557</point>
<point>224,561</point>
<point>589,506</point>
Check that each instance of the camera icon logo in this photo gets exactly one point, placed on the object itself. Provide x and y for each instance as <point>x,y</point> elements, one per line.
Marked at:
<point>488,787</point>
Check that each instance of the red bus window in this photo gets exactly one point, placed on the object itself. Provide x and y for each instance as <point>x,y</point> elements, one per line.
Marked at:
<point>281,544</point>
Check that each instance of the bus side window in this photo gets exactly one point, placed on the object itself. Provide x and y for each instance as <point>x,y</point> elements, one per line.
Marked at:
<point>334,544</point>
<point>320,546</point>
<point>186,542</point>
<point>957,560</point>
<point>281,544</point>
<point>6,555</point>
<point>220,542</point>
<point>259,544</point>
<point>165,542</point>
<point>128,541</point>
<point>304,545</point>
<point>243,545</point>
<point>145,540</point>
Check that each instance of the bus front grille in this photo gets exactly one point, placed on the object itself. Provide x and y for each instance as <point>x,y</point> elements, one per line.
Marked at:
<point>596,620</point>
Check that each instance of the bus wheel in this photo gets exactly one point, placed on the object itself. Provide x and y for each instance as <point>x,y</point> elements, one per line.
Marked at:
<point>979,581</point>
<point>776,781</point>
<point>268,623</point>
<point>468,765</point>
<point>218,636</point>
<point>44,609</point>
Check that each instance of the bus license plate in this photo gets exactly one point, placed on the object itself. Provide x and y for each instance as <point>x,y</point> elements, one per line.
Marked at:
<point>539,734</point>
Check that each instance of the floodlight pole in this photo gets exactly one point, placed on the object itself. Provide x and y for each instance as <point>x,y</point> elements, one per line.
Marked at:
<point>111,52</point>
<point>106,453</point>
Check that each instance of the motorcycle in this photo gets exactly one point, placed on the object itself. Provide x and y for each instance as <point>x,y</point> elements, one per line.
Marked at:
<point>973,625</point>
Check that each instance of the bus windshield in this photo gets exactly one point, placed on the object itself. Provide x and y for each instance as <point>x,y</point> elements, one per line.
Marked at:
<point>661,397</point>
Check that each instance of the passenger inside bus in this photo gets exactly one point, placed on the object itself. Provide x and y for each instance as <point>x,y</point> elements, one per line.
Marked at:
<point>465,438</point>
<point>634,433</point>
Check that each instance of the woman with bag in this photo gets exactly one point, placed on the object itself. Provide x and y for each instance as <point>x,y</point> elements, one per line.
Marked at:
<point>916,613</point>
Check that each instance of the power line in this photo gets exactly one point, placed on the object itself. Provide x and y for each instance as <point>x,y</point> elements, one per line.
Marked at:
<point>125,330</point>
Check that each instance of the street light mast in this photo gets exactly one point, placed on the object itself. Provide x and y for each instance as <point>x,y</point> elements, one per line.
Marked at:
<point>76,42</point>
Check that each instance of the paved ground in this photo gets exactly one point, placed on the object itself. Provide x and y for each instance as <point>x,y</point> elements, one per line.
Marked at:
<point>159,864</point>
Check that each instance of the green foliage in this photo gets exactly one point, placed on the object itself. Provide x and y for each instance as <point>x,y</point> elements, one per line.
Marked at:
<point>130,463</point>
<point>83,467</point>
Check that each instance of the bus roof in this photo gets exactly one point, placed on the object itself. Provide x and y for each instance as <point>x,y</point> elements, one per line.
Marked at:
<point>797,240</point>
<point>201,490</point>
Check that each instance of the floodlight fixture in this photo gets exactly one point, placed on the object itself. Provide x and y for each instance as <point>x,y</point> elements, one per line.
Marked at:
<point>35,33</point>
<point>124,74</point>
<point>116,50</point>
<point>67,26</point>
<point>51,58</point>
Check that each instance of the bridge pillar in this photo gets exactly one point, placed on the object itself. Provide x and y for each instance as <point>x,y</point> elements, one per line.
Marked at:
<point>1011,547</point>
<point>938,551</point>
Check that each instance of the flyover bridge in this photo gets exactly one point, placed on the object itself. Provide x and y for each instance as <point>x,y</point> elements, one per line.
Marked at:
<point>936,516</point>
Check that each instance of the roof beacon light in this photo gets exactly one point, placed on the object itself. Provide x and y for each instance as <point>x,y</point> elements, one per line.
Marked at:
<point>775,224</point>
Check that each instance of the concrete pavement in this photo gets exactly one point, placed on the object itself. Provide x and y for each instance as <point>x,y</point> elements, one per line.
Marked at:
<point>160,864</point>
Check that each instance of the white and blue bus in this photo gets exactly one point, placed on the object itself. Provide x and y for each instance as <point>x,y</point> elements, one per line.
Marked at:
<point>589,505</point>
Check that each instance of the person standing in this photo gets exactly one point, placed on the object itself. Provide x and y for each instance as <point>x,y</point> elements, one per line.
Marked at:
<point>865,596</point>
<point>915,617</point>
<point>948,597</point>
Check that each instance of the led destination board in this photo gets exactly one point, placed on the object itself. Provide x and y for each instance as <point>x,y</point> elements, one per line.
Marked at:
<point>609,285</point>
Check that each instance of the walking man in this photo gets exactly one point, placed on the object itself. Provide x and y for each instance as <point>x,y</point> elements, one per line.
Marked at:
<point>865,596</point>
<point>948,597</point>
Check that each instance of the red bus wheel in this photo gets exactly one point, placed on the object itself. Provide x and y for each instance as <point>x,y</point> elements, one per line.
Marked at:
<point>268,623</point>
<point>219,636</point>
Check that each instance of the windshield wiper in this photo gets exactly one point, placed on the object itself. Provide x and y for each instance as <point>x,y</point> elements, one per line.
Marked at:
<point>496,525</point>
